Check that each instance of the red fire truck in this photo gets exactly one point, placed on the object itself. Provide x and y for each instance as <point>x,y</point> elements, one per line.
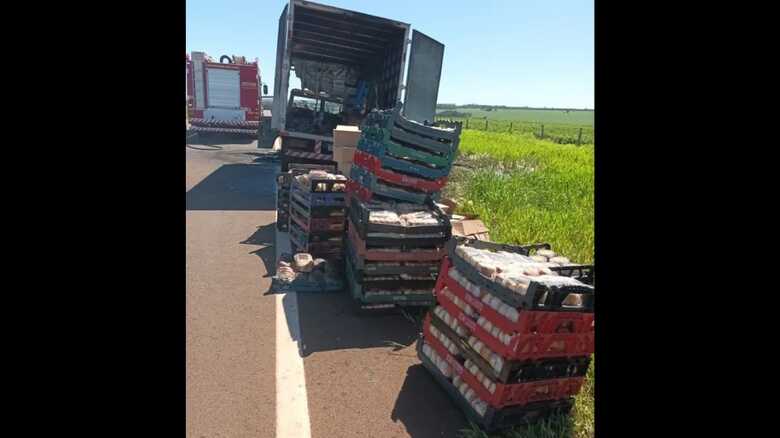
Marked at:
<point>223,96</point>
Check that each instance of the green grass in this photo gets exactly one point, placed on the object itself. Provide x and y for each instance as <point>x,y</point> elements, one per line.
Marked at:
<point>528,191</point>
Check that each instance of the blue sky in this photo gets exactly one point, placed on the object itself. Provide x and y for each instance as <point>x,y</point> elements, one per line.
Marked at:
<point>519,53</point>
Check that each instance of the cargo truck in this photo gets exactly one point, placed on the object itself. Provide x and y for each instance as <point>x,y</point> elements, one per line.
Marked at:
<point>348,63</point>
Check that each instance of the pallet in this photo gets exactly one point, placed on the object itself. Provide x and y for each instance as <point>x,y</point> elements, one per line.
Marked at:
<point>495,419</point>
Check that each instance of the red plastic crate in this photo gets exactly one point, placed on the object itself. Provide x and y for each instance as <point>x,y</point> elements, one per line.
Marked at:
<point>525,346</point>
<point>528,322</point>
<point>358,191</point>
<point>517,394</point>
<point>374,165</point>
<point>413,255</point>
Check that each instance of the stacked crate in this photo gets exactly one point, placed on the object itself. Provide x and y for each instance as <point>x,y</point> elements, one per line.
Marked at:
<point>393,252</point>
<point>396,234</point>
<point>317,214</point>
<point>511,336</point>
<point>402,160</point>
<point>283,183</point>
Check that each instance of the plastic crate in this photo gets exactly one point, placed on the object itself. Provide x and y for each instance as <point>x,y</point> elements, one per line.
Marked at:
<point>515,394</point>
<point>402,127</point>
<point>397,164</point>
<point>314,185</point>
<point>375,185</point>
<point>394,254</point>
<point>359,213</point>
<point>402,241</point>
<point>374,165</point>
<point>536,290</point>
<point>316,211</point>
<point>378,268</point>
<point>358,293</point>
<point>495,419</point>
<point>516,371</point>
<point>529,321</point>
<point>316,199</point>
<point>326,224</point>
<point>526,346</point>
<point>390,281</point>
<point>426,247</point>
<point>378,146</point>
<point>356,190</point>
<point>302,242</point>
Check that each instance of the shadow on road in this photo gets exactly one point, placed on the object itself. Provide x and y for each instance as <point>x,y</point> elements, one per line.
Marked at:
<point>217,139</point>
<point>329,322</point>
<point>239,186</point>
<point>264,236</point>
<point>424,408</point>
<point>265,157</point>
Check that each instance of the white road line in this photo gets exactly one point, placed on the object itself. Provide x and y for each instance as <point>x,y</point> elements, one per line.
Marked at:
<point>292,405</point>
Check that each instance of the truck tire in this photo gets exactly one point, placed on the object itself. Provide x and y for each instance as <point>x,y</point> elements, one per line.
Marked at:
<point>223,57</point>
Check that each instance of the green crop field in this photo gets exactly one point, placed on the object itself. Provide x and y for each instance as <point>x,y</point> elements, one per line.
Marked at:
<point>563,127</point>
<point>528,190</point>
<point>584,118</point>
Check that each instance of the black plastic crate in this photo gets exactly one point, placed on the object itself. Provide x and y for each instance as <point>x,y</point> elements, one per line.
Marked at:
<point>495,419</point>
<point>302,242</point>
<point>516,371</point>
<point>360,211</point>
<point>536,290</point>
<point>314,184</point>
<point>381,268</point>
<point>322,211</point>
<point>408,242</point>
<point>389,281</point>
<point>357,291</point>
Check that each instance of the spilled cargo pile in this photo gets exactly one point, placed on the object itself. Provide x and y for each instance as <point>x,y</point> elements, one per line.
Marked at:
<point>510,329</point>
<point>511,336</point>
<point>396,232</point>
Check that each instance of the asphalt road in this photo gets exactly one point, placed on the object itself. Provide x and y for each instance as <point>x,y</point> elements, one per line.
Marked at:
<point>362,377</point>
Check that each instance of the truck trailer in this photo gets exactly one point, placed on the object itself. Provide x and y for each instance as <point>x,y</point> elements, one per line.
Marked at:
<point>348,63</point>
<point>224,96</point>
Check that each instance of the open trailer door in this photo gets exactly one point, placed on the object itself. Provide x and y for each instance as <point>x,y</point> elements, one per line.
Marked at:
<point>282,76</point>
<point>422,80</point>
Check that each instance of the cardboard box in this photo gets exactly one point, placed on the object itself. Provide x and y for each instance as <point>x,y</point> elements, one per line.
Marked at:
<point>346,136</point>
<point>474,228</point>
<point>343,157</point>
